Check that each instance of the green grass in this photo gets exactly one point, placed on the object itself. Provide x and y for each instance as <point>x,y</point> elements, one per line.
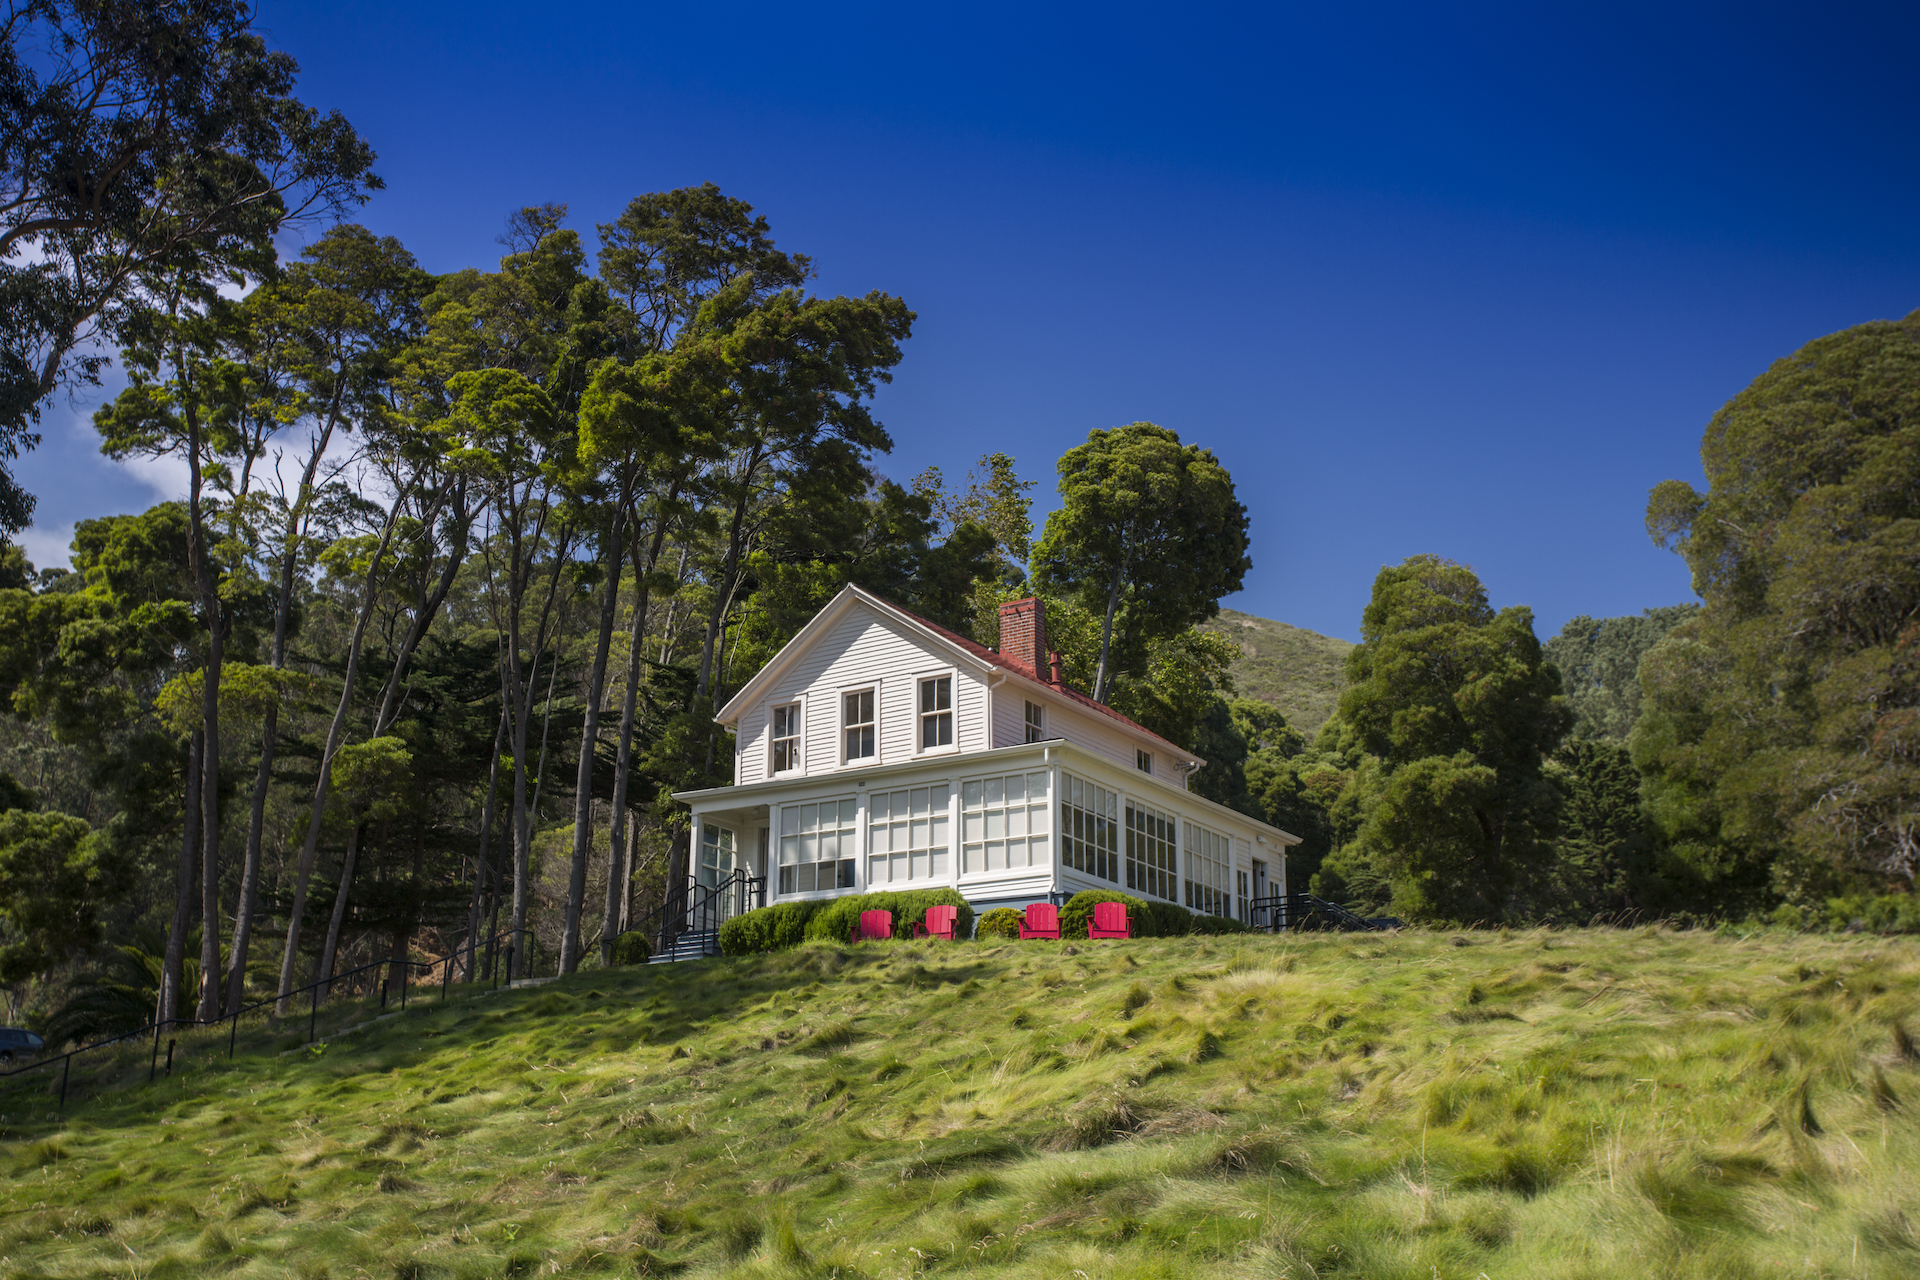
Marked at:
<point>1301,672</point>
<point>1568,1104</point>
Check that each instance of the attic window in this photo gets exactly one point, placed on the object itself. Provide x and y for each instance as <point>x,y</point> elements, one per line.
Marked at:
<point>856,718</point>
<point>1036,722</point>
<point>1143,761</point>
<point>786,738</point>
<point>936,712</point>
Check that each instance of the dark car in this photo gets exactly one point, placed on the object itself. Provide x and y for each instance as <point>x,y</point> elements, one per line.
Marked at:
<point>18,1042</point>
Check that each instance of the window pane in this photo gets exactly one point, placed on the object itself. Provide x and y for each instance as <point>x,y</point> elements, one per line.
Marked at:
<point>970,795</point>
<point>847,808</point>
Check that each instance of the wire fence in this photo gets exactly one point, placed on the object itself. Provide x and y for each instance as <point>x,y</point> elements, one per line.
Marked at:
<point>499,964</point>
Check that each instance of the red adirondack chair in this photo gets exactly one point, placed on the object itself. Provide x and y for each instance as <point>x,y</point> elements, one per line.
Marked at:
<point>939,924</point>
<point>874,926</point>
<point>1109,921</point>
<point>1043,921</point>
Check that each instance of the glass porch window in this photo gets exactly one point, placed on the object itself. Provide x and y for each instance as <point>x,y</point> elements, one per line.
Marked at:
<point>1208,854</point>
<point>1003,823</point>
<point>907,836</point>
<point>1151,866</point>
<point>817,846</point>
<point>1089,828</point>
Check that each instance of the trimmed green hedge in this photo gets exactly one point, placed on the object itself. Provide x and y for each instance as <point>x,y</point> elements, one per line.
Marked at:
<point>631,947</point>
<point>1147,919</point>
<point>767,928</point>
<point>1001,922</point>
<point>837,917</point>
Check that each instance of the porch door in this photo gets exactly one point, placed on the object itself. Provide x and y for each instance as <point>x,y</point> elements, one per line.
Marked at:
<point>760,869</point>
<point>716,854</point>
<point>1262,916</point>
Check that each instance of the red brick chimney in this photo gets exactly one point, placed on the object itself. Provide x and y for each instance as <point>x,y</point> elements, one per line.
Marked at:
<point>1023,636</point>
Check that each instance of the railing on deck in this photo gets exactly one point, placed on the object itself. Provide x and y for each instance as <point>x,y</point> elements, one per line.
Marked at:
<point>1281,912</point>
<point>697,908</point>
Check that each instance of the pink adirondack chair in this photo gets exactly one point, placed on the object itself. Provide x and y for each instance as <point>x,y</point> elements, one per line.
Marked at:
<point>939,924</point>
<point>1109,921</point>
<point>874,926</point>
<point>1043,921</point>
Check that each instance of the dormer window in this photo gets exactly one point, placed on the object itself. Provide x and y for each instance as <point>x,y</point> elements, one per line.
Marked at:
<point>786,738</point>
<point>936,712</point>
<point>1036,722</point>
<point>1143,761</point>
<point>857,725</point>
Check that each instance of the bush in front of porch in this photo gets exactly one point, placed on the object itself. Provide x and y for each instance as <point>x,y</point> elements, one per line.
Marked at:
<point>837,917</point>
<point>763,929</point>
<point>1146,919</point>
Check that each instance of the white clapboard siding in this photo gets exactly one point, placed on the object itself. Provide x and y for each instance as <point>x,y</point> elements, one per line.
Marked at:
<point>863,649</point>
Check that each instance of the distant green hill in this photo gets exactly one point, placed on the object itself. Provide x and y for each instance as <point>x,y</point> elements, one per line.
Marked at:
<point>1299,671</point>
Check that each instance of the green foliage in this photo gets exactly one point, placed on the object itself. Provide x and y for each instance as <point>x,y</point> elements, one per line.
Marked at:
<point>1460,709</point>
<point>774,928</point>
<point>1603,856</point>
<point>1145,918</point>
<point>195,151</point>
<point>631,948</point>
<point>51,884</point>
<point>836,918</point>
<point>1079,909</point>
<point>15,796</point>
<point>1001,922</point>
<point>1148,537</point>
<point>1599,664</point>
<point>1783,717</point>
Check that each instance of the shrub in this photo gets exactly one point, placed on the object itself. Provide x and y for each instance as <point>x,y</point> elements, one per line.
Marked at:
<point>767,928</point>
<point>1079,910</point>
<point>1001,922</point>
<point>1217,924</point>
<point>631,948</point>
<point>836,917</point>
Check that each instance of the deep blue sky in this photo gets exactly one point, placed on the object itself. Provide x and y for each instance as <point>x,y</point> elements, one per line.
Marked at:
<point>1464,282</point>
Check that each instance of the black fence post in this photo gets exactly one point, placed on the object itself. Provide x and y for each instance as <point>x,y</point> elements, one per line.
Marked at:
<point>170,1044</point>
<point>65,1067</point>
<point>446,977</point>
<point>313,1014</point>
<point>406,980</point>
<point>153,1063</point>
<point>233,1035</point>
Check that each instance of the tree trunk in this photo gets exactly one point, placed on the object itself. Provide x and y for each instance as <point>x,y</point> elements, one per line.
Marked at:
<point>1100,690</point>
<point>589,739</point>
<point>289,958</point>
<point>614,923</point>
<point>208,1008</point>
<point>173,963</point>
<point>339,911</point>
<point>474,913</point>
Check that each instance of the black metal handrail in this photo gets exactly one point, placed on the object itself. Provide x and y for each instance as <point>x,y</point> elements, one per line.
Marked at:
<point>698,908</point>
<point>1279,912</point>
<point>316,988</point>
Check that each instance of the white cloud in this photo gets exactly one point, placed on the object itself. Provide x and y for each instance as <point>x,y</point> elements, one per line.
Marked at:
<point>47,548</point>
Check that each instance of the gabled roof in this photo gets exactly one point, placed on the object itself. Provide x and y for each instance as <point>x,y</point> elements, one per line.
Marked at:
<point>976,655</point>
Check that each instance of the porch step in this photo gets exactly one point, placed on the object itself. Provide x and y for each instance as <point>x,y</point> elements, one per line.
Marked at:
<point>689,946</point>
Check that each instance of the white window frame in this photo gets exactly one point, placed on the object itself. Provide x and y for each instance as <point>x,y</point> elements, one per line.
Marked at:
<point>846,828</point>
<point>952,745</point>
<point>872,757</point>
<point>996,828</point>
<point>798,738</point>
<point>909,831</point>
<point>1143,760</point>
<point>1036,714</point>
<point>1150,839</point>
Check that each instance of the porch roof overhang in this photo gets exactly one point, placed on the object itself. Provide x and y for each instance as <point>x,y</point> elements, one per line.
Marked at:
<point>759,795</point>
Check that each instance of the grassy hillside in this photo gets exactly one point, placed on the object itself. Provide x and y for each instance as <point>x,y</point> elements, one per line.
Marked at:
<point>1301,672</point>
<point>1574,1104</point>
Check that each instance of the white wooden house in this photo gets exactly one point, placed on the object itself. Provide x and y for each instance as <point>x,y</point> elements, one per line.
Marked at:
<point>878,751</point>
